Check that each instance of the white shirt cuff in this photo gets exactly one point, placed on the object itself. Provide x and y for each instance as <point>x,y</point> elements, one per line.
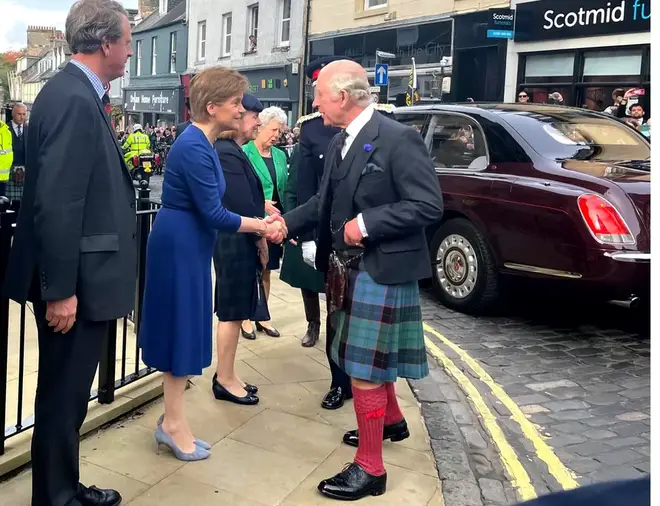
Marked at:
<point>363,228</point>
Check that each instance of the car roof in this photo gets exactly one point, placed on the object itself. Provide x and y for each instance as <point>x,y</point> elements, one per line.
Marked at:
<point>500,109</point>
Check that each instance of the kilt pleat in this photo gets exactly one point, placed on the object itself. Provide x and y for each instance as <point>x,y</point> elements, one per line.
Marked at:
<point>380,336</point>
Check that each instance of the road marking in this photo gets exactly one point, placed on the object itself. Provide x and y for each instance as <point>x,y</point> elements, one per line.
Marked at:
<point>561,473</point>
<point>520,478</point>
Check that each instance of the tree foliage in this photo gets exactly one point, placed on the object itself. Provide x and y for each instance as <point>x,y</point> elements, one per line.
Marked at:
<point>7,63</point>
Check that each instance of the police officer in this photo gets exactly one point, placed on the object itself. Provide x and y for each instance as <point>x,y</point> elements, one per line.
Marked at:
<point>6,156</point>
<point>314,140</point>
<point>137,143</point>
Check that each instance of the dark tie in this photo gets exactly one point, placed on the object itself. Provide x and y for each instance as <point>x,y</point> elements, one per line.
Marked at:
<point>20,131</point>
<point>343,135</point>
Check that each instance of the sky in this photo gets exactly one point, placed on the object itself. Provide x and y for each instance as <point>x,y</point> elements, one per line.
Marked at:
<point>18,14</point>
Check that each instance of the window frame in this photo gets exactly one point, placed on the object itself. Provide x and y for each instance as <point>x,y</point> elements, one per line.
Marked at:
<point>138,57</point>
<point>154,55</point>
<point>368,7</point>
<point>201,42</point>
<point>227,34</point>
<point>476,127</point>
<point>253,24</point>
<point>282,42</point>
<point>173,44</point>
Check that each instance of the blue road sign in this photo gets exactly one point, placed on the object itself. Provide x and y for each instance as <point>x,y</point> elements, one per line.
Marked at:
<point>381,74</point>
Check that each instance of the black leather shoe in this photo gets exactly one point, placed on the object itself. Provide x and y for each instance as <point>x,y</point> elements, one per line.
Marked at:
<point>311,337</point>
<point>93,496</point>
<point>222,394</point>
<point>353,483</point>
<point>271,332</point>
<point>251,389</point>
<point>248,335</point>
<point>394,432</point>
<point>335,398</point>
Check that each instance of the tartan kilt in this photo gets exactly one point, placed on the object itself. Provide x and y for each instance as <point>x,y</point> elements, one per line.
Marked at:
<point>239,293</point>
<point>379,337</point>
<point>14,190</point>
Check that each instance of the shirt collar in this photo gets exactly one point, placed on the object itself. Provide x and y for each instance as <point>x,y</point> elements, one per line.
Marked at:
<point>93,78</point>
<point>15,125</point>
<point>358,123</point>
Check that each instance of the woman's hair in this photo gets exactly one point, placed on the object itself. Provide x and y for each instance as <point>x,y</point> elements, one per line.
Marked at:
<point>214,85</point>
<point>228,134</point>
<point>273,113</point>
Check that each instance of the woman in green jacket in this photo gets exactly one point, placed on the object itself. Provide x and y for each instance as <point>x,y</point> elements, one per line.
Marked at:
<point>270,165</point>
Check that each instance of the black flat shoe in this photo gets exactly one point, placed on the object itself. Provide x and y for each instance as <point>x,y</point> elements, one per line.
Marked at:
<point>353,483</point>
<point>251,389</point>
<point>222,394</point>
<point>394,432</point>
<point>335,398</point>
<point>248,335</point>
<point>268,332</point>
<point>94,496</point>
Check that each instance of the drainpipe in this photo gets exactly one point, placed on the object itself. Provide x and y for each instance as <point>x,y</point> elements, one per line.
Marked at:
<point>304,60</point>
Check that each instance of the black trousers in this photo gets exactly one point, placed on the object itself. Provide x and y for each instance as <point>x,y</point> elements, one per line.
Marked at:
<point>339,377</point>
<point>312,305</point>
<point>67,365</point>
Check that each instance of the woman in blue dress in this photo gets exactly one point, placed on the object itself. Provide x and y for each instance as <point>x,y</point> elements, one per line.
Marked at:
<point>176,326</point>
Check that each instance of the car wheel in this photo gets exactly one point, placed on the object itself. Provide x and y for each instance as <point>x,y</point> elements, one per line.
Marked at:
<point>465,277</point>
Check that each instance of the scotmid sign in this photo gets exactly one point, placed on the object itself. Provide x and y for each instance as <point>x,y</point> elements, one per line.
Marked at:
<point>565,19</point>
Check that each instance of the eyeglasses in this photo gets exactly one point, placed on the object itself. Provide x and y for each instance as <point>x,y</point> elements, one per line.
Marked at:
<point>522,96</point>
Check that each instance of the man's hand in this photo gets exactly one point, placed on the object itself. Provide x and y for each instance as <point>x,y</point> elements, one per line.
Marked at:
<point>309,253</point>
<point>61,314</point>
<point>276,230</point>
<point>262,247</point>
<point>271,209</point>
<point>352,234</point>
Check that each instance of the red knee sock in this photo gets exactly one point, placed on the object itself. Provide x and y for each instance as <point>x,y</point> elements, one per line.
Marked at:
<point>370,407</point>
<point>393,413</point>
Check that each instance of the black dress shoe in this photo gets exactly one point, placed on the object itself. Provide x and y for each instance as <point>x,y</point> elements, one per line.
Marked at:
<point>394,432</point>
<point>353,483</point>
<point>222,394</point>
<point>93,496</point>
<point>271,332</point>
<point>251,389</point>
<point>335,398</point>
<point>311,337</point>
<point>248,335</point>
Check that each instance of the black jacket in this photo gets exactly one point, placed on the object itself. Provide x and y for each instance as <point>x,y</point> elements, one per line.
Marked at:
<point>389,177</point>
<point>76,227</point>
<point>181,127</point>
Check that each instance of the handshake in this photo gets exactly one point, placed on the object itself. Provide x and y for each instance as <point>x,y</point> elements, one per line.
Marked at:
<point>276,230</point>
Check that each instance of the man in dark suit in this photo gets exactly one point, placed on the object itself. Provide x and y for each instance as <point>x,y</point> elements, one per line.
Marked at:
<point>19,130</point>
<point>182,126</point>
<point>378,194</point>
<point>74,254</point>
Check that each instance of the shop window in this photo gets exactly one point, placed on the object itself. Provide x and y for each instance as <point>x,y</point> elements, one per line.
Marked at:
<point>549,68</point>
<point>457,142</point>
<point>612,66</point>
<point>556,95</point>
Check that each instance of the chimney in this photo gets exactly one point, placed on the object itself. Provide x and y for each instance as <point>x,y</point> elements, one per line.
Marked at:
<point>147,7</point>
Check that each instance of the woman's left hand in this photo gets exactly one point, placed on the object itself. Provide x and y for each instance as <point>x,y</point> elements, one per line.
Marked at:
<point>262,247</point>
<point>271,209</point>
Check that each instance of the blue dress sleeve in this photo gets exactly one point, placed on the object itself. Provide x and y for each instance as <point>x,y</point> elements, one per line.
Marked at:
<point>206,193</point>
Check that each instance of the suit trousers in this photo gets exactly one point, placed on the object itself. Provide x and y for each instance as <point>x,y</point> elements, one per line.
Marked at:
<point>312,305</point>
<point>67,366</point>
<point>339,377</point>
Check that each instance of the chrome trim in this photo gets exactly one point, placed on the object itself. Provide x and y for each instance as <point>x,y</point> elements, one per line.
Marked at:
<point>543,270</point>
<point>629,256</point>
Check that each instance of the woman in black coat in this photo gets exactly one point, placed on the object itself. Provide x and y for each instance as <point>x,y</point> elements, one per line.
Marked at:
<point>239,259</point>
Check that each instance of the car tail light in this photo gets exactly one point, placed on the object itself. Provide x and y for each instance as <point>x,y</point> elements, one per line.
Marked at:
<point>604,221</point>
<point>136,161</point>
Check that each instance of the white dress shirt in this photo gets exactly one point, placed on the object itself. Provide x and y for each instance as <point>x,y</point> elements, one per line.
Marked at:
<point>352,132</point>
<point>16,127</point>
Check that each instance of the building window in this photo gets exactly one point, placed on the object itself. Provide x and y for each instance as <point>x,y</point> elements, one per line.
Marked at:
<point>201,41</point>
<point>154,55</point>
<point>374,4</point>
<point>285,22</point>
<point>253,27</point>
<point>138,52</point>
<point>226,34</point>
<point>173,53</point>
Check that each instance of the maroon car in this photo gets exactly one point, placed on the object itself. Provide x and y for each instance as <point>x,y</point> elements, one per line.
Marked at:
<point>538,191</point>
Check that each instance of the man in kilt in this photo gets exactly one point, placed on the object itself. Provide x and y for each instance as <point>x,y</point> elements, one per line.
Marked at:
<point>378,194</point>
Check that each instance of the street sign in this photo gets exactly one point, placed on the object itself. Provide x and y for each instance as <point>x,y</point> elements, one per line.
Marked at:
<point>381,74</point>
<point>374,89</point>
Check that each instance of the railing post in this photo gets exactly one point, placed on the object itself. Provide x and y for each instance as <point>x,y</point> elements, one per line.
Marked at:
<point>144,226</point>
<point>6,222</point>
<point>107,366</point>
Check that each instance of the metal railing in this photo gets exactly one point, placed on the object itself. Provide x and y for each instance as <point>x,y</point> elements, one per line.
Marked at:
<point>120,334</point>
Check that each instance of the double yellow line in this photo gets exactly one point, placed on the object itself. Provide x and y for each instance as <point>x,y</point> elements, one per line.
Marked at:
<point>520,479</point>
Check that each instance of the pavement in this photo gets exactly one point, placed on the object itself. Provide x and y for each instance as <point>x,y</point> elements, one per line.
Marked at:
<point>274,453</point>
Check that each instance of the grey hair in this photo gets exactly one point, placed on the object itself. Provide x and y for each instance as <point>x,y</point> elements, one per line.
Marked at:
<point>356,86</point>
<point>91,23</point>
<point>19,104</point>
<point>271,114</point>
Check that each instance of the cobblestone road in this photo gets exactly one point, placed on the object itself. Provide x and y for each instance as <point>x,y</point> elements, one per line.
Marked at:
<point>580,373</point>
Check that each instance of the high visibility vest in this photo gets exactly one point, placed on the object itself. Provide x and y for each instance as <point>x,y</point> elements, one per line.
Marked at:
<point>6,152</point>
<point>137,143</point>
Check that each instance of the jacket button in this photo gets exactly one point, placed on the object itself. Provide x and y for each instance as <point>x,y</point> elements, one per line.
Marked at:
<point>133,236</point>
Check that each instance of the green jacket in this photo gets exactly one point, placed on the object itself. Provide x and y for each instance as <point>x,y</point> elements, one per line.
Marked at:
<point>281,170</point>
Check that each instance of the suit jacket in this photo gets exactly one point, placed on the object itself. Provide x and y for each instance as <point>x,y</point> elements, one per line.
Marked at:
<point>181,127</point>
<point>387,176</point>
<point>14,137</point>
<point>76,227</point>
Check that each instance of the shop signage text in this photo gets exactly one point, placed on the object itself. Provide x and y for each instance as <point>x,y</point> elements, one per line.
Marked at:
<point>163,101</point>
<point>500,24</point>
<point>560,19</point>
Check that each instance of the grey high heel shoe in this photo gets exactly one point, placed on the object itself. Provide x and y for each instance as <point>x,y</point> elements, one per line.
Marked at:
<point>198,442</point>
<point>162,438</point>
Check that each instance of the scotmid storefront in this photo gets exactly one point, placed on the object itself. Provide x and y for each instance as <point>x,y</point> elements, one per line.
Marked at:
<point>580,51</point>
